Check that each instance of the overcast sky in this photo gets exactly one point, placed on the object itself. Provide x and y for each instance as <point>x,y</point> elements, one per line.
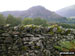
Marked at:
<point>53,5</point>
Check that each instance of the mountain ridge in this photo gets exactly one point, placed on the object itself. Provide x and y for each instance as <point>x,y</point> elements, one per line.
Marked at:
<point>34,12</point>
<point>67,11</point>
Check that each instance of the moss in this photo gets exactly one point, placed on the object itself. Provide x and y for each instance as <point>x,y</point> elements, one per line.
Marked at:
<point>25,48</point>
<point>37,47</point>
<point>51,33</point>
<point>68,32</point>
<point>1,31</point>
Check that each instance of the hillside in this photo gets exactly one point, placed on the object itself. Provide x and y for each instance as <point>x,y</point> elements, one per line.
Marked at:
<point>36,11</point>
<point>67,11</point>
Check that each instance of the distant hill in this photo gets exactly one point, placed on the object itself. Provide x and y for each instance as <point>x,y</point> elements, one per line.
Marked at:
<point>36,11</point>
<point>67,12</point>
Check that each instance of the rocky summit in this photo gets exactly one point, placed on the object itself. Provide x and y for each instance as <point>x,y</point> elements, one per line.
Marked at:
<point>36,12</point>
<point>32,40</point>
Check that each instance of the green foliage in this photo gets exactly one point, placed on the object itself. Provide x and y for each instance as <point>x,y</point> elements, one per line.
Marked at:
<point>27,21</point>
<point>39,21</point>
<point>58,47</point>
<point>13,20</point>
<point>2,19</point>
<point>71,20</point>
<point>10,19</point>
<point>73,41</point>
<point>18,21</point>
<point>35,21</point>
<point>65,25</point>
<point>66,45</point>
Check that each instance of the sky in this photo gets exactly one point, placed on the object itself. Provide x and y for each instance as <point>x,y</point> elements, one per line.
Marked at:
<point>53,5</point>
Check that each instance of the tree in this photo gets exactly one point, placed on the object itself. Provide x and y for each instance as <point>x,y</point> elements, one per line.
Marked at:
<point>2,19</point>
<point>39,21</point>
<point>18,21</point>
<point>10,19</point>
<point>27,21</point>
<point>13,20</point>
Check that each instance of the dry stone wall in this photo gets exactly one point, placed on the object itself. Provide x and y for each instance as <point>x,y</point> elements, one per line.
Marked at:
<point>17,41</point>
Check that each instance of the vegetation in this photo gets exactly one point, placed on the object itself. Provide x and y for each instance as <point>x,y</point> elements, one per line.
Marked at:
<point>14,21</point>
<point>66,45</point>
<point>65,25</point>
<point>2,19</point>
<point>27,21</point>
